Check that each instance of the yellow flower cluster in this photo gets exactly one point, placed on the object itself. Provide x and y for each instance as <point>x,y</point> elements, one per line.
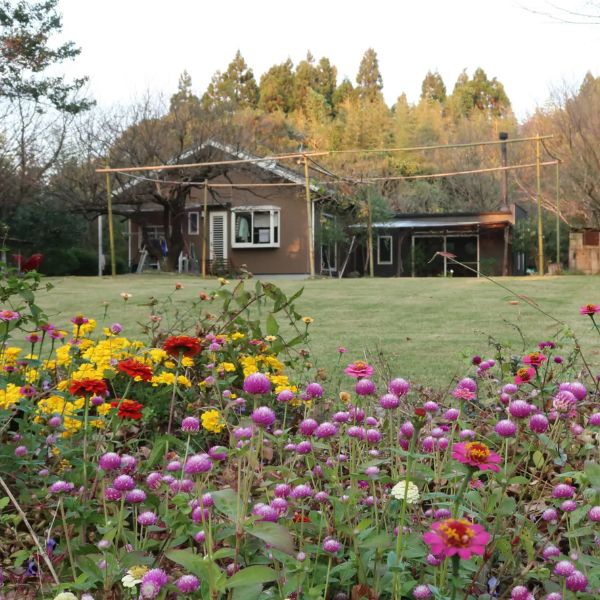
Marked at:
<point>85,329</point>
<point>57,405</point>
<point>253,364</point>
<point>10,396</point>
<point>212,421</point>
<point>166,378</point>
<point>9,356</point>
<point>226,366</point>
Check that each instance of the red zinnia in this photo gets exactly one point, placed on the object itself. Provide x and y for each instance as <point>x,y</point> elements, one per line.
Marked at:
<point>182,344</point>
<point>93,387</point>
<point>590,309</point>
<point>129,409</point>
<point>135,369</point>
<point>456,536</point>
<point>476,454</point>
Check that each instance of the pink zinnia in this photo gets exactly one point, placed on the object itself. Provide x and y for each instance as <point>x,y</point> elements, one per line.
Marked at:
<point>535,359</point>
<point>463,394</point>
<point>359,369</point>
<point>590,309</point>
<point>524,375</point>
<point>456,536</point>
<point>476,454</point>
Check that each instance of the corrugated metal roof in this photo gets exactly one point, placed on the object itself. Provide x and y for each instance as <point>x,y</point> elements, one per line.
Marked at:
<point>427,221</point>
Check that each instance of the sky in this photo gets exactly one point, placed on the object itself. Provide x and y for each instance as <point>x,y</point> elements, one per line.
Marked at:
<point>130,47</point>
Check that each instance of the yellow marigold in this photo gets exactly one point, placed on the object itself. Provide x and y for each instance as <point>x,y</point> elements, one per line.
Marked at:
<point>64,465</point>
<point>248,365</point>
<point>98,423</point>
<point>31,356</point>
<point>136,344</point>
<point>49,365</point>
<point>158,355</point>
<point>237,336</point>
<point>187,361</point>
<point>291,388</point>
<point>84,329</point>
<point>212,421</point>
<point>308,320</point>
<point>170,364</point>
<point>103,409</point>
<point>274,363</point>
<point>31,376</point>
<point>9,396</point>
<point>56,405</point>
<point>10,354</point>
<point>88,371</point>
<point>84,344</point>
<point>183,380</point>
<point>278,380</point>
<point>166,378</point>
<point>226,366</point>
<point>63,355</point>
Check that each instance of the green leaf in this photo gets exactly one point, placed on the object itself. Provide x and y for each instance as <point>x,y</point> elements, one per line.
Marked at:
<point>194,563</point>
<point>274,534</point>
<point>508,506</point>
<point>251,576</point>
<point>380,540</point>
<point>4,502</point>
<point>250,592</point>
<point>272,325</point>
<point>592,471</point>
<point>538,459</point>
<point>226,502</point>
<point>579,532</point>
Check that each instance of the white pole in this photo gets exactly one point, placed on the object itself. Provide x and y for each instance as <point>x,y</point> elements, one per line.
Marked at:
<point>100,251</point>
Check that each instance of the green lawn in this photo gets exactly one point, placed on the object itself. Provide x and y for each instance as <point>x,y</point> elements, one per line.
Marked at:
<point>424,326</point>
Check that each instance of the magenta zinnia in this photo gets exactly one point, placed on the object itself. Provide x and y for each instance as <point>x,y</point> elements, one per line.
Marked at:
<point>359,369</point>
<point>456,536</point>
<point>535,359</point>
<point>524,375</point>
<point>590,309</point>
<point>476,454</point>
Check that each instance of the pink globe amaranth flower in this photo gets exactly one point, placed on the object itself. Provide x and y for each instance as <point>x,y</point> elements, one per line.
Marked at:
<point>577,582</point>
<point>466,434</point>
<point>519,409</point>
<point>442,513</point>
<point>389,401</point>
<point>153,480</point>
<point>550,515</point>
<point>451,414</point>
<point>576,388</point>
<point>564,568</point>
<point>325,430</point>
<point>568,506</point>
<point>265,512</point>
<point>307,427</point>
<point>197,463</point>
<point>422,592</point>
<point>443,443</point>
<point>200,515</point>
<point>428,444</point>
<point>519,592</point>
<point>152,582</point>
<point>287,447</point>
<point>243,433</point>
<point>576,429</point>
<point>373,436</point>
<point>594,514</point>
<point>399,386</point>
<point>505,428</point>
<point>371,422</point>
<point>505,399</point>
<point>128,463</point>
<point>594,420</point>
<point>21,451</point>
<point>456,536</point>
<point>187,584</point>
<point>553,596</point>
<point>331,546</point>
<point>282,490</point>
<point>123,483</point>
<point>263,416</point>
<point>285,396</point>
<point>433,560</point>
<point>467,383</point>
<point>477,455</point>
<point>190,425</point>
<point>539,423</point>
<point>304,447</point>
<point>565,403</point>
<point>61,487</point>
<point>372,471</point>
<point>200,537</point>
<point>54,422</point>
<point>431,406</point>
<point>280,505</point>
<point>364,387</point>
<point>135,496</point>
<point>407,429</point>
<point>342,417</point>
<point>168,479</point>
<point>314,390</point>
<point>357,414</point>
<point>112,494</point>
<point>437,432</point>
<point>563,490</point>
<point>476,360</point>
<point>359,369</point>
<point>174,466</point>
<point>589,309</point>
<point>355,431</point>
<point>147,518</point>
<point>257,383</point>
<point>218,453</point>
<point>302,490</point>
<point>510,389</point>
<point>321,497</point>
<point>550,552</point>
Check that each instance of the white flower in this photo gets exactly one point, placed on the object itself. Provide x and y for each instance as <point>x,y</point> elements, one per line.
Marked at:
<point>129,581</point>
<point>126,296</point>
<point>399,491</point>
<point>65,596</point>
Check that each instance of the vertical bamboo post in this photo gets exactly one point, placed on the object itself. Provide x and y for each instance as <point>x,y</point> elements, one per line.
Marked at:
<point>370,234</point>
<point>310,235</point>
<point>205,229</point>
<point>100,248</point>
<point>557,213</point>
<point>538,177</point>
<point>111,233</point>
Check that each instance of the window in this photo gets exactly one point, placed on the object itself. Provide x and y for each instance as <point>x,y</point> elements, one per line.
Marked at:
<point>193,223</point>
<point>255,227</point>
<point>384,250</point>
<point>591,238</point>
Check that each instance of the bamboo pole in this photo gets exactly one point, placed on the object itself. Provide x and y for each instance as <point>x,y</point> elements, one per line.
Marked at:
<point>558,214</point>
<point>205,229</point>
<point>538,177</point>
<point>370,234</point>
<point>111,233</point>
<point>309,233</point>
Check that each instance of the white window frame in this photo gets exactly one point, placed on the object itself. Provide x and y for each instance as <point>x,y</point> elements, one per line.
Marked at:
<point>190,223</point>
<point>386,262</point>
<point>274,222</point>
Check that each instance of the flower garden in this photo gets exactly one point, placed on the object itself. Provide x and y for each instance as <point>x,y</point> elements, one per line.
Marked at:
<point>208,459</point>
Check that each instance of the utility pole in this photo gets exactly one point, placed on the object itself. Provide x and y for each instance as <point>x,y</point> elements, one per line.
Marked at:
<point>310,234</point>
<point>538,176</point>
<point>111,234</point>
<point>205,229</point>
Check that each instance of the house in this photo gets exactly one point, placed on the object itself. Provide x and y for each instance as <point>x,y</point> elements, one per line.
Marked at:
<point>257,218</point>
<point>406,245</point>
<point>584,251</point>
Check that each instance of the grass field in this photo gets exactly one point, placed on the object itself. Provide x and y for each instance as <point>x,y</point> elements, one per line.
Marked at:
<point>424,326</point>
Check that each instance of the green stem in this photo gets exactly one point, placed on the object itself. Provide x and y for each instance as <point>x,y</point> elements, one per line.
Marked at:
<point>455,571</point>
<point>461,493</point>
<point>327,577</point>
<point>67,538</point>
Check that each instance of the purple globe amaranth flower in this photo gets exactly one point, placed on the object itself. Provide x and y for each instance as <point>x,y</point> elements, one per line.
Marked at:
<point>364,387</point>
<point>279,504</point>
<point>321,497</point>
<point>437,432</point>
<point>325,430</point>
<point>152,582</point>
<point>128,463</point>
<point>407,429</point>
<point>576,582</point>
<point>61,487</point>
<point>123,483</point>
<point>263,416</point>
<point>302,490</point>
<point>257,383</point>
<point>510,389</point>
<point>466,383</point>
<point>594,420</point>
<point>519,592</point>
<point>519,409</point>
<point>451,414</point>
<point>168,479</point>
<point>441,513</point>
<point>389,401</point>
<point>217,452</point>
<point>576,429</point>
<point>308,427</point>
<point>594,514</point>
<point>550,551</point>
<point>372,471</point>
<point>331,546</point>
<point>564,568</point>
<point>428,444</point>
<point>430,406</point>
<point>539,423</point>
<point>442,443</point>
<point>357,414</point>
<point>190,425</point>
<point>565,403</point>
<point>553,596</point>
<point>505,428</point>
<point>355,431</point>
<point>147,518</point>
<point>568,506</point>
<point>373,436</point>
<point>197,463</point>
<point>173,466</point>
<point>135,496</point>
<point>285,396</point>
<point>200,537</point>
<point>314,390</point>
<point>187,584</point>
<point>399,386</point>
<point>371,422</point>
<point>200,515</point>
<point>153,480</point>
<point>243,433</point>
<point>21,451</point>
<point>265,512</point>
<point>54,422</point>
<point>466,434</point>
<point>288,447</point>
<point>563,490</point>
<point>422,592</point>
<point>344,417</point>
<point>304,447</point>
<point>550,514</point>
<point>282,490</point>
<point>576,388</point>
<point>112,494</point>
